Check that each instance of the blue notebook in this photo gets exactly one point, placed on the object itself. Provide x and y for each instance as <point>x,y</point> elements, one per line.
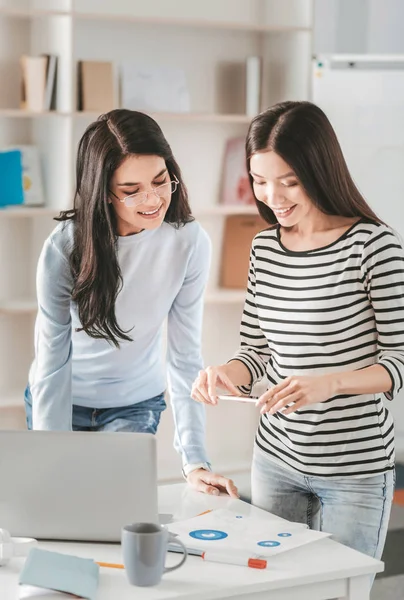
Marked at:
<point>61,572</point>
<point>11,187</point>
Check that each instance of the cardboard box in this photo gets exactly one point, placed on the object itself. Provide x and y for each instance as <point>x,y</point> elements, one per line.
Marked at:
<point>239,232</point>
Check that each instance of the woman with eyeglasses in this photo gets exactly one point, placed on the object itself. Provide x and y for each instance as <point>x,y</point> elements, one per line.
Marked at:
<point>323,322</point>
<point>125,259</point>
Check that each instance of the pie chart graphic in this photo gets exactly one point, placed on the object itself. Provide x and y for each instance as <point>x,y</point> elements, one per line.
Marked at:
<point>269,543</point>
<point>208,535</point>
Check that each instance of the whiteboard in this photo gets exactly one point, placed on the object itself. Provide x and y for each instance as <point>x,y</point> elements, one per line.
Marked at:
<point>363,96</point>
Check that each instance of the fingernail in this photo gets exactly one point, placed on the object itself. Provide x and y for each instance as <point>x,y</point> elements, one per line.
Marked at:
<point>215,492</point>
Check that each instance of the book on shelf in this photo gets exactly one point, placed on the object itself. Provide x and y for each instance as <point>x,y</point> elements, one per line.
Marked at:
<point>21,176</point>
<point>236,188</point>
<point>32,181</point>
<point>51,82</point>
<point>154,88</point>
<point>38,82</point>
<point>253,85</point>
<point>11,187</point>
<point>95,86</point>
<point>34,82</point>
<point>239,232</point>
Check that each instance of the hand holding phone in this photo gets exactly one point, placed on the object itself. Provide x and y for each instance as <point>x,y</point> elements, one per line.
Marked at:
<point>248,399</point>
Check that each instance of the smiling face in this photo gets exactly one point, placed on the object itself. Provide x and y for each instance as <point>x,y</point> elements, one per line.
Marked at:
<point>138,174</point>
<point>276,185</point>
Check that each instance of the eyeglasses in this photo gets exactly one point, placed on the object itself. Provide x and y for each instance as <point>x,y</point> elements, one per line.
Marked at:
<point>161,191</point>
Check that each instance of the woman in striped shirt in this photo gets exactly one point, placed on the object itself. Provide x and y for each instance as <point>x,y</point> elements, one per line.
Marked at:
<point>323,321</point>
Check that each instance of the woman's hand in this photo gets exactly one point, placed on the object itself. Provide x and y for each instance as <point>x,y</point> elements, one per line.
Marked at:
<point>204,388</point>
<point>297,391</point>
<point>211,483</point>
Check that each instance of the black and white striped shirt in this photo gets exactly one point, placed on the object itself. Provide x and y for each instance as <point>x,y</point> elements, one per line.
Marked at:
<point>336,308</point>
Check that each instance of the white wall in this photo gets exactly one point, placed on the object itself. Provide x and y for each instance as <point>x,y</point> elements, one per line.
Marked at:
<point>325,26</point>
<point>359,26</point>
<point>340,26</point>
<point>385,32</point>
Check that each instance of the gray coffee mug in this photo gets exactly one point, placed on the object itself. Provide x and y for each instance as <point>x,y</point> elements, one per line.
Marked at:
<point>144,548</point>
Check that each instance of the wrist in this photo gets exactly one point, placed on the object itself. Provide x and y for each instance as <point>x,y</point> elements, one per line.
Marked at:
<point>238,373</point>
<point>189,468</point>
<point>335,381</point>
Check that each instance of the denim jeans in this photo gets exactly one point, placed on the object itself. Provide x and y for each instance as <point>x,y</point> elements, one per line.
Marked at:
<point>355,511</point>
<point>142,417</point>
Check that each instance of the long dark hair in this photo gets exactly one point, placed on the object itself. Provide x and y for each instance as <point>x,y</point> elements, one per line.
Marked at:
<point>93,260</point>
<point>301,134</point>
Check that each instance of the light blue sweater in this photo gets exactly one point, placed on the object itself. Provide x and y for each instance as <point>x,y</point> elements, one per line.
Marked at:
<point>164,274</point>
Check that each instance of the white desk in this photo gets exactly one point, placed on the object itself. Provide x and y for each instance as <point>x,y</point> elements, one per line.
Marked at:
<point>320,571</point>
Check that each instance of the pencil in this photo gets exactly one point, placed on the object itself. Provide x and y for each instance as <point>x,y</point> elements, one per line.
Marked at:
<point>110,565</point>
<point>205,512</point>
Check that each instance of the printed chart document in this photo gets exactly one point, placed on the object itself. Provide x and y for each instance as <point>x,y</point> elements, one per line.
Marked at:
<point>226,536</point>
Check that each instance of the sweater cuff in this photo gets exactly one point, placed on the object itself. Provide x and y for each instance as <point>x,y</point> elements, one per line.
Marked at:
<point>187,469</point>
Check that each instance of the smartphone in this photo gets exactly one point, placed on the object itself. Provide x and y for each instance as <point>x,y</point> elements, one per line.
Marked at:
<point>250,399</point>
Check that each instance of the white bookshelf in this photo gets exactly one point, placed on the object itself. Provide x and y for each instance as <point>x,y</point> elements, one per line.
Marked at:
<point>210,41</point>
<point>25,212</point>
<point>18,306</point>
<point>221,296</point>
<point>17,113</point>
<point>28,306</point>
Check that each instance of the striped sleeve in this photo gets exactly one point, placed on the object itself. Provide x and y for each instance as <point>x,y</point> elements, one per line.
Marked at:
<point>254,352</point>
<point>383,275</point>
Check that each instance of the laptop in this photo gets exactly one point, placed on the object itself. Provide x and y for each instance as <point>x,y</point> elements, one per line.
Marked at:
<point>63,485</point>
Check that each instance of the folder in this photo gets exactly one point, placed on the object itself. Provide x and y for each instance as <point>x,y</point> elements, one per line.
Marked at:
<point>59,573</point>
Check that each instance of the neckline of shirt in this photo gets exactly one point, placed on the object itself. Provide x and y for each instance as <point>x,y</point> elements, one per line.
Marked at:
<point>126,240</point>
<point>308,252</point>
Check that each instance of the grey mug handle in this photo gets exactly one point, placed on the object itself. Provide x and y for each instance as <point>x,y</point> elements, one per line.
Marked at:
<point>184,557</point>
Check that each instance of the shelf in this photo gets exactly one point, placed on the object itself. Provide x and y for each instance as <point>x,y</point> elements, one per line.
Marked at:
<point>18,113</point>
<point>29,306</point>
<point>225,209</point>
<point>210,211</point>
<point>12,399</point>
<point>197,117</point>
<point>152,20</point>
<point>180,22</point>
<point>224,296</point>
<point>18,307</point>
<point>33,13</point>
<point>24,212</point>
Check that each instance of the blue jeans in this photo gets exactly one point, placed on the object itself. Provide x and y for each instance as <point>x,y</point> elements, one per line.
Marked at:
<point>355,511</point>
<point>142,417</point>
